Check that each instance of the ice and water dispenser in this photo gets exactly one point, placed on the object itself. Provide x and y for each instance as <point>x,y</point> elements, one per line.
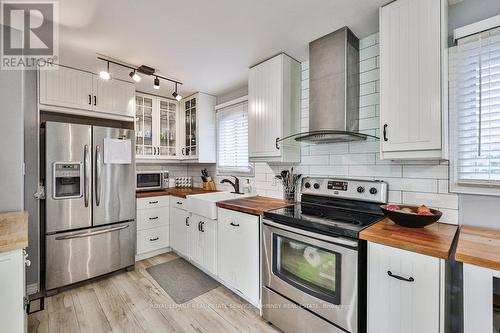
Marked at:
<point>68,180</point>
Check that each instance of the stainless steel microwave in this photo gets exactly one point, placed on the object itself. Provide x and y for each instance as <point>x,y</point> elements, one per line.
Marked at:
<point>151,180</point>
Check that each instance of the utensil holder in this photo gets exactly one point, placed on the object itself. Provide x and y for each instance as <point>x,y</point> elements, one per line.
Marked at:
<point>289,195</point>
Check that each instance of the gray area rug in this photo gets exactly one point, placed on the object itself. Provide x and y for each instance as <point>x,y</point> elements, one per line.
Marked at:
<point>181,280</point>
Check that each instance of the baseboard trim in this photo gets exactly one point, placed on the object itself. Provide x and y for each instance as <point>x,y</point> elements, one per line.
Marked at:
<point>32,288</point>
<point>146,255</point>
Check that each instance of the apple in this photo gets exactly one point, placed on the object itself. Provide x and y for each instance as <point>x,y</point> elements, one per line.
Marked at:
<point>392,207</point>
<point>422,209</point>
<point>425,213</point>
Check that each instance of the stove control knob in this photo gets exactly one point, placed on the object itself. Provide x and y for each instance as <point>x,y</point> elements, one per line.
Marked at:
<point>307,185</point>
<point>373,190</point>
<point>316,186</point>
<point>360,189</point>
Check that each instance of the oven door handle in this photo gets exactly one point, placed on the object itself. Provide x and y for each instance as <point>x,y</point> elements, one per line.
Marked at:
<point>331,239</point>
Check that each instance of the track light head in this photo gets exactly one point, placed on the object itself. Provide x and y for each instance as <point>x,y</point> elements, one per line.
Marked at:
<point>105,74</point>
<point>156,83</point>
<point>175,94</point>
<point>136,77</point>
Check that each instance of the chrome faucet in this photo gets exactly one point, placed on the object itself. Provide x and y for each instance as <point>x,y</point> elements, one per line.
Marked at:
<point>236,184</point>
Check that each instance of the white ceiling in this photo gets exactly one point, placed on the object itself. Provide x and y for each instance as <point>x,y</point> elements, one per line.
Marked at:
<point>207,44</point>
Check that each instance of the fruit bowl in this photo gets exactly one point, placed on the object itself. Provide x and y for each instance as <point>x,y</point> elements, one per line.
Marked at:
<point>403,217</point>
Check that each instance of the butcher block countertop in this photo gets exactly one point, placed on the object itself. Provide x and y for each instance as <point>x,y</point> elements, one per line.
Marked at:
<point>479,246</point>
<point>13,231</point>
<point>253,205</point>
<point>176,192</point>
<point>434,240</point>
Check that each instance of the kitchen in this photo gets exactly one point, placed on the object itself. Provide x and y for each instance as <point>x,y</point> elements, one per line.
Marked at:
<point>149,177</point>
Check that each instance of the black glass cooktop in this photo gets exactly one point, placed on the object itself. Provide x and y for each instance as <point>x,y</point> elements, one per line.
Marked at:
<point>342,218</point>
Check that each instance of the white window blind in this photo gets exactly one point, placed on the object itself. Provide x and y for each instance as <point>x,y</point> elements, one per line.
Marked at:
<point>232,140</point>
<point>476,115</point>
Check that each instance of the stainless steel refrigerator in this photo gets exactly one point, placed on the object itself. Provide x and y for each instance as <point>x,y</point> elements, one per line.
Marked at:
<point>90,202</point>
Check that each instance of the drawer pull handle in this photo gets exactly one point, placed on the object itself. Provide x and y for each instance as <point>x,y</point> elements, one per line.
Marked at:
<point>179,203</point>
<point>234,225</point>
<point>410,279</point>
<point>153,202</point>
<point>154,239</point>
<point>187,221</point>
<point>154,218</point>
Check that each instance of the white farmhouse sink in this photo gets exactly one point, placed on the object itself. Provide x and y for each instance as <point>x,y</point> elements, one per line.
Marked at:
<point>205,204</point>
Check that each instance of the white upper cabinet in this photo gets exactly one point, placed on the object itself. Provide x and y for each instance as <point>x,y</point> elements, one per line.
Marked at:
<point>274,109</point>
<point>413,114</point>
<point>156,131</point>
<point>69,88</point>
<point>198,139</point>
<point>114,96</point>
<point>66,87</point>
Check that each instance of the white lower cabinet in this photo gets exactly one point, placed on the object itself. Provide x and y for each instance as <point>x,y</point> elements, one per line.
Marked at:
<point>179,226</point>
<point>238,253</point>
<point>12,291</point>
<point>404,291</point>
<point>203,242</point>
<point>153,226</point>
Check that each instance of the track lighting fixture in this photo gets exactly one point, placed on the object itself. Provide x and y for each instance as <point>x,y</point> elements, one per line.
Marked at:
<point>136,77</point>
<point>105,74</point>
<point>175,94</point>
<point>134,74</point>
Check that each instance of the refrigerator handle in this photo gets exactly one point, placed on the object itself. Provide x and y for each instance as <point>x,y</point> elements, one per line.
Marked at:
<point>97,175</point>
<point>86,174</point>
<point>93,233</point>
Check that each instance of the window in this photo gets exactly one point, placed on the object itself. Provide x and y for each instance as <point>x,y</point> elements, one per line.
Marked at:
<point>475,112</point>
<point>232,140</point>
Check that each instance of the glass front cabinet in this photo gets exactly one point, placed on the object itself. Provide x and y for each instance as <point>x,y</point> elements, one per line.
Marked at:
<point>156,127</point>
<point>190,136</point>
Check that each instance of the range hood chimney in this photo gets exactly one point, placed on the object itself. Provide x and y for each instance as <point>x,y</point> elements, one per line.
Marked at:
<point>333,89</point>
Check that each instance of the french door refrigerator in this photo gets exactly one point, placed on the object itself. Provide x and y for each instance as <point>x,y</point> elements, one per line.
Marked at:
<point>90,202</point>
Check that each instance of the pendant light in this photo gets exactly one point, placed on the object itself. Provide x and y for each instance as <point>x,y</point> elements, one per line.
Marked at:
<point>105,74</point>
<point>175,94</point>
<point>157,83</point>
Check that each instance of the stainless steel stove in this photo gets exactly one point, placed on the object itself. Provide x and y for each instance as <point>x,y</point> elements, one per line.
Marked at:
<point>314,263</point>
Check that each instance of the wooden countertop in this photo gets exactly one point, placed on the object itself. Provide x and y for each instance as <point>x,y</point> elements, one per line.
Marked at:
<point>256,205</point>
<point>13,231</point>
<point>434,240</point>
<point>176,192</point>
<point>479,246</point>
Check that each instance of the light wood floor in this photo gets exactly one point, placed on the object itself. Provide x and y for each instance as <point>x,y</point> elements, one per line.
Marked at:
<point>134,302</point>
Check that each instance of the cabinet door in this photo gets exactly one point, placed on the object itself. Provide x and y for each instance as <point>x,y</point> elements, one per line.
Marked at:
<point>195,249</point>
<point>179,235</point>
<point>209,248</point>
<point>65,87</point>
<point>145,126</point>
<point>168,128</point>
<point>396,305</point>
<point>265,86</point>
<point>12,291</point>
<point>190,144</point>
<point>113,96</point>
<point>227,263</point>
<point>410,75</point>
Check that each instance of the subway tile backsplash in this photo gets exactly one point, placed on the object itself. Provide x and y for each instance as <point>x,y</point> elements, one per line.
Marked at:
<point>412,182</point>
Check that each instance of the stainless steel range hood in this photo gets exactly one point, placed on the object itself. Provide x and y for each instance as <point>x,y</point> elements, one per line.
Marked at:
<point>333,89</point>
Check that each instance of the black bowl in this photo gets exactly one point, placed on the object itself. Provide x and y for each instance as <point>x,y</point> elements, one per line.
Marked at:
<point>411,220</point>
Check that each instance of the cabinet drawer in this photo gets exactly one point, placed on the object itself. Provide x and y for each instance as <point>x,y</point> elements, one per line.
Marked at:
<point>179,203</point>
<point>153,202</point>
<point>153,217</point>
<point>152,239</point>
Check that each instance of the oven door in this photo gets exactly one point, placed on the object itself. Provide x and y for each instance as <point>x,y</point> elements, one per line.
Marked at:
<point>317,272</point>
<point>148,181</point>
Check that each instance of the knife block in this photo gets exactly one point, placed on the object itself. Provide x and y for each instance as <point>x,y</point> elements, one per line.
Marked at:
<point>210,185</point>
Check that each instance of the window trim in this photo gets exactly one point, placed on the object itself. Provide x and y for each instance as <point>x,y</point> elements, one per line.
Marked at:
<point>478,187</point>
<point>226,172</point>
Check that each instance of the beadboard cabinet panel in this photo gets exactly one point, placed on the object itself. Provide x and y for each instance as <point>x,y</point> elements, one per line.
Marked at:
<point>274,109</point>
<point>411,107</point>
